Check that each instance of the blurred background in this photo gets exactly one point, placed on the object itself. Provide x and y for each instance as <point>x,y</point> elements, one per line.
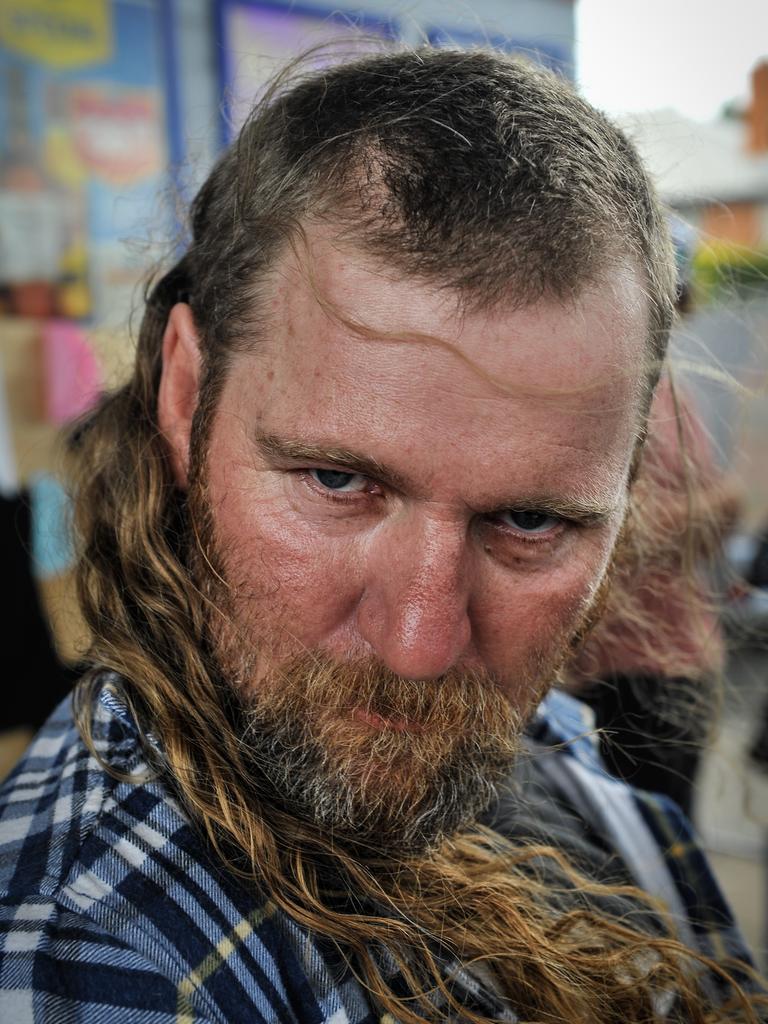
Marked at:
<point>112,112</point>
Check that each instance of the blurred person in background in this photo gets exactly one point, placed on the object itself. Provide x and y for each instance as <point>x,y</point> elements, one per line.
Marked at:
<point>340,531</point>
<point>651,669</point>
<point>757,576</point>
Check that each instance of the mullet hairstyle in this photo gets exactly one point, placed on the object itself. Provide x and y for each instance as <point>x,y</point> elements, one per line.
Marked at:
<point>492,179</point>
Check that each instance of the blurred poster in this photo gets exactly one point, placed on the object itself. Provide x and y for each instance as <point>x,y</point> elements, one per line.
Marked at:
<point>115,132</point>
<point>72,375</point>
<point>258,37</point>
<point>82,152</point>
<point>9,475</point>
<point>59,33</point>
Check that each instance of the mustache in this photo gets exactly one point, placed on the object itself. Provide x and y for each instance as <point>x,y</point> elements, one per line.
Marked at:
<point>326,688</point>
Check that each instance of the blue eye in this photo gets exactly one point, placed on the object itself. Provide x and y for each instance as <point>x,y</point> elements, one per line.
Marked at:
<point>337,480</point>
<point>529,520</point>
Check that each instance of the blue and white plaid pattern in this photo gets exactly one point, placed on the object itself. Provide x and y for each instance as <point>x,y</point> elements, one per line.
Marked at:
<point>111,908</point>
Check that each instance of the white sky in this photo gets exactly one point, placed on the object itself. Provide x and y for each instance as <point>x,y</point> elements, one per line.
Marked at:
<point>693,55</point>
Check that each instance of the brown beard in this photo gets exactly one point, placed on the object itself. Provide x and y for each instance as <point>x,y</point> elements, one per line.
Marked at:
<point>378,761</point>
<point>374,760</point>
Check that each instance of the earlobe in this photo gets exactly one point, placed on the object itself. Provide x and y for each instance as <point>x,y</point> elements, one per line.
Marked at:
<point>179,387</point>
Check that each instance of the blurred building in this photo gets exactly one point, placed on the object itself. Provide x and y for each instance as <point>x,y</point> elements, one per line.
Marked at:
<point>716,174</point>
<point>716,177</point>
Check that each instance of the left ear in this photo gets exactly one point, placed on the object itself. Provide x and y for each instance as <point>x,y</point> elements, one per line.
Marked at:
<point>179,388</point>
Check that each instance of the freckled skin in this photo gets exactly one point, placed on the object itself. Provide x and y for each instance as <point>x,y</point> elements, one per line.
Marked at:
<point>426,577</point>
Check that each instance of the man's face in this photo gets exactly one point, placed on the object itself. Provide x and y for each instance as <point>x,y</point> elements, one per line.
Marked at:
<point>433,498</point>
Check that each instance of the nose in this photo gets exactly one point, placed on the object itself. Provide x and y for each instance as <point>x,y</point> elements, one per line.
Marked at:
<point>414,611</point>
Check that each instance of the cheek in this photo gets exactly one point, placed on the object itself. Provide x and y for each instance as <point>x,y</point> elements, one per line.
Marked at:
<point>530,613</point>
<point>284,578</point>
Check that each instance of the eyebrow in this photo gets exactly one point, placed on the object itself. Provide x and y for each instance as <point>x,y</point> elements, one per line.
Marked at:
<point>286,451</point>
<point>585,511</point>
<point>283,451</point>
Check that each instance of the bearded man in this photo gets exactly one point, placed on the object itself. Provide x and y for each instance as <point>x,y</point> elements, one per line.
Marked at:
<point>339,532</point>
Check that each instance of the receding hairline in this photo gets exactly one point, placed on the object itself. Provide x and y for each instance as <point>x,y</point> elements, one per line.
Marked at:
<point>297,257</point>
<point>360,145</point>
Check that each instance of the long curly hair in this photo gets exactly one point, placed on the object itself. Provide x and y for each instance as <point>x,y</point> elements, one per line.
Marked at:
<point>492,179</point>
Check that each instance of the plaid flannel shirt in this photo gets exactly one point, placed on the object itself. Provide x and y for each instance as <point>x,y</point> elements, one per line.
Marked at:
<point>112,908</point>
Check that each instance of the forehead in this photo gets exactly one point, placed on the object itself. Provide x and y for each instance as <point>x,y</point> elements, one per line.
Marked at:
<point>325,286</point>
<point>357,354</point>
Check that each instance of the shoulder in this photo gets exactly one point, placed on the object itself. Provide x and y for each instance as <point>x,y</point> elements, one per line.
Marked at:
<point>649,832</point>
<point>69,806</point>
<point>59,965</point>
<point>56,960</point>
<point>111,903</point>
<point>48,805</point>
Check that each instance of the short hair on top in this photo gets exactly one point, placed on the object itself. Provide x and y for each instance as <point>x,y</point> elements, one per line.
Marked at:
<point>480,172</point>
